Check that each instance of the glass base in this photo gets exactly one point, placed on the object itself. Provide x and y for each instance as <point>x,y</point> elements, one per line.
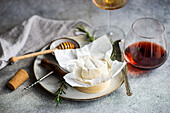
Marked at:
<point>115,32</point>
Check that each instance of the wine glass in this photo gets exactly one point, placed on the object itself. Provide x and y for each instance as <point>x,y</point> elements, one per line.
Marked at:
<point>111,31</point>
<point>145,46</point>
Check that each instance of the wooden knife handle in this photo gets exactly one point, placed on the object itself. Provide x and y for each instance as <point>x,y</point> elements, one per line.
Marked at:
<point>53,67</point>
<point>15,59</point>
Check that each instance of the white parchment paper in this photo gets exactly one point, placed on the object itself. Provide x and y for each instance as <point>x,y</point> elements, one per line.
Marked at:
<point>100,48</point>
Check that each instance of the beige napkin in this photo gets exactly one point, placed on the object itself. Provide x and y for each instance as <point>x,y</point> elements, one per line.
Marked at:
<point>33,34</point>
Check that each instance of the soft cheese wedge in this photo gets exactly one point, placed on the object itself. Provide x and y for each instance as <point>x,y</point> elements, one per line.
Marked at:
<point>88,68</point>
<point>102,67</point>
<point>94,68</point>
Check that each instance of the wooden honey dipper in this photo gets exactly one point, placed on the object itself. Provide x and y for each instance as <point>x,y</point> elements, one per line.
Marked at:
<point>64,45</point>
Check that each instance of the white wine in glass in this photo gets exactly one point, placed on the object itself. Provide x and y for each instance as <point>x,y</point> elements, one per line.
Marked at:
<point>110,4</point>
<point>111,31</point>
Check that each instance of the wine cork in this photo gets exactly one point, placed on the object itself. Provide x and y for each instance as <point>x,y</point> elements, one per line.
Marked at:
<point>20,77</point>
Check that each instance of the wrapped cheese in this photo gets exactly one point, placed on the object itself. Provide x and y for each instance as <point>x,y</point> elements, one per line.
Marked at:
<point>89,67</point>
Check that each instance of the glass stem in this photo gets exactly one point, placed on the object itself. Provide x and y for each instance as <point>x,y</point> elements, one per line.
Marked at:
<point>109,22</point>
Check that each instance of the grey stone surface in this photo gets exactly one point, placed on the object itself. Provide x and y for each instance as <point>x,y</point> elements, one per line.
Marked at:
<point>151,92</point>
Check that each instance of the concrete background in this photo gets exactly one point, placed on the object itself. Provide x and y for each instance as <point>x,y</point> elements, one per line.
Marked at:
<point>151,92</point>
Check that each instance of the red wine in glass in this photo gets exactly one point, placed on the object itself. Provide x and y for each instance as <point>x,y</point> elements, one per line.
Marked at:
<point>145,45</point>
<point>145,55</point>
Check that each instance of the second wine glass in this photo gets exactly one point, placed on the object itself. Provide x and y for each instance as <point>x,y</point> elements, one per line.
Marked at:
<point>145,45</point>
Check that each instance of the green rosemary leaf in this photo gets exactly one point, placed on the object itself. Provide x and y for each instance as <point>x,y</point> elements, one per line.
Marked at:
<point>65,86</point>
<point>54,100</point>
<point>112,54</point>
<point>58,98</point>
<point>61,101</point>
<point>57,103</point>
<point>112,42</point>
<point>63,91</point>
<point>82,29</point>
<point>57,92</point>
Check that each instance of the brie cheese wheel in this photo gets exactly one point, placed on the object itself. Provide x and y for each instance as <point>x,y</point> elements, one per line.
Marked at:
<point>88,68</point>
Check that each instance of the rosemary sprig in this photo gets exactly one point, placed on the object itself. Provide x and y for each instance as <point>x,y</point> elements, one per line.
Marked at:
<point>59,92</point>
<point>82,29</point>
<point>112,55</point>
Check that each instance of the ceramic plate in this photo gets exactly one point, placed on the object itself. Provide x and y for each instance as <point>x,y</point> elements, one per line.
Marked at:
<point>51,83</point>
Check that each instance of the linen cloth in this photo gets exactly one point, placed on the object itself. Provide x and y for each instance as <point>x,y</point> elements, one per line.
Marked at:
<point>32,34</point>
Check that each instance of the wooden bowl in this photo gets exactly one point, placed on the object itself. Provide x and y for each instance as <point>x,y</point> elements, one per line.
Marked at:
<point>96,88</point>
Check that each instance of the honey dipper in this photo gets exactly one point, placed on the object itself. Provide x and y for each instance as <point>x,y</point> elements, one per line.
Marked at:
<point>64,45</point>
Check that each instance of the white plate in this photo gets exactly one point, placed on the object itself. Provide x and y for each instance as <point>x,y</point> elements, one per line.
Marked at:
<point>51,83</point>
